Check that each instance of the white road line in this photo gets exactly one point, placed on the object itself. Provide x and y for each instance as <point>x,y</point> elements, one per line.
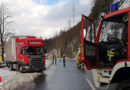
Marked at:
<point>92,87</point>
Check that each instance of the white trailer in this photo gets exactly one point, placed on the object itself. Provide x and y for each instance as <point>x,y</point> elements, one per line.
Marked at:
<point>10,49</point>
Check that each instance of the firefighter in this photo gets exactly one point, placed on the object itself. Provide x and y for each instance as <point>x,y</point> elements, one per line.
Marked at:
<point>59,58</point>
<point>79,64</point>
<point>54,59</point>
<point>64,58</point>
<point>119,50</point>
<point>78,61</point>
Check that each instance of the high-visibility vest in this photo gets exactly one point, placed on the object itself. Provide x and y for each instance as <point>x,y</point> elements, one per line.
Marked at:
<point>64,55</point>
<point>0,59</point>
<point>78,59</point>
<point>111,53</point>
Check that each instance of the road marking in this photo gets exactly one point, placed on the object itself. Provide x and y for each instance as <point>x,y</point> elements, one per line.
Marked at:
<point>92,87</point>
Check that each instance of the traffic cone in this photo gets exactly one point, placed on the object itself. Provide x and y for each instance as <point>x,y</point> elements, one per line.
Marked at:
<point>1,83</point>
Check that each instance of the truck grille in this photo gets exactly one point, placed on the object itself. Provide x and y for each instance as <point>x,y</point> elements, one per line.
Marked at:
<point>36,62</point>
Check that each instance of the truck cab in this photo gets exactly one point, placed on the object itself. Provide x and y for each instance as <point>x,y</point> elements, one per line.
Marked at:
<point>106,50</point>
<point>26,53</point>
<point>30,52</point>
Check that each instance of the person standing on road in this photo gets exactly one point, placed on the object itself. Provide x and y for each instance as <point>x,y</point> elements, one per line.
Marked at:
<point>78,61</point>
<point>64,59</point>
<point>54,59</point>
<point>59,58</point>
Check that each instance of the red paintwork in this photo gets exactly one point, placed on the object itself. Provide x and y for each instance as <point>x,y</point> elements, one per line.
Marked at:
<point>82,40</point>
<point>26,42</point>
<point>116,13</point>
<point>92,23</point>
<point>129,37</point>
<point>126,10</point>
<point>121,61</point>
<point>31,37</point>
<point>0,79</point>
<point>98,33</point>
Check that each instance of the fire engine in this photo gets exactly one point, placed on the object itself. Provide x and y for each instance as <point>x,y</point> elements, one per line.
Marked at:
<point>106,50</point>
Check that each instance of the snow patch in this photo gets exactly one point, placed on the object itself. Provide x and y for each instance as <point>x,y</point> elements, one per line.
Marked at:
<point>13,79</point>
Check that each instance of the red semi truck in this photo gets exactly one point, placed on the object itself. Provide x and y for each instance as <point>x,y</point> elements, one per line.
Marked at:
<point>107,49</point>
<point>25,53</point>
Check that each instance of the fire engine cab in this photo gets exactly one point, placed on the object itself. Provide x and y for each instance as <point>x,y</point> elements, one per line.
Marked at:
<point>106,50</point>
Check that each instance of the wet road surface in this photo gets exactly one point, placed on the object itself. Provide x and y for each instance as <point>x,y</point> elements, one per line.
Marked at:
<point>60,77</point>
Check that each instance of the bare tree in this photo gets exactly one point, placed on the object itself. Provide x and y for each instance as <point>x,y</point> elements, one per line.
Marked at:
<point>5,20</point>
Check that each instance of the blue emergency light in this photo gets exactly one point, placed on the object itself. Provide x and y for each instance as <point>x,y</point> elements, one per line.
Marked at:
<point>114,7</point>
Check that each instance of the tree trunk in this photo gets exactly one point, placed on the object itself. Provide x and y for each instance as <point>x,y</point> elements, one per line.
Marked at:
<point>2,50</point>
<point>2,44</point>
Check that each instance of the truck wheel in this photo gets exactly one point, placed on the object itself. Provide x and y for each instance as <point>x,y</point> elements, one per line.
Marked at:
<point>40,71</point>
<point>21,68</point>
<point>7,64</point>
<point>124,85</point>
<point>11,67</point>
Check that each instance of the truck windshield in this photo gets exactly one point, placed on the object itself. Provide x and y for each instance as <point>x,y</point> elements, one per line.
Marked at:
<point>113,40</point>
<point>34,50</point>
<point>114,29</point>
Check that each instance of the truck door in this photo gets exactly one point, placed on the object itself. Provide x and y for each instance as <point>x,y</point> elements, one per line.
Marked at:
<point>88,47</point>
<point>18,52</point>
<point>19,49</point>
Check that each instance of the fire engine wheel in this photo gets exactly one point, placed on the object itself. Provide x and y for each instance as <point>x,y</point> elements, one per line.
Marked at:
<point>11,67</point>
<point>124,85</point>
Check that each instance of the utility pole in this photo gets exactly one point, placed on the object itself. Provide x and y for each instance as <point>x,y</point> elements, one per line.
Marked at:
<point>69,24</point>
<point>73,12</point>
<point>129,2</point>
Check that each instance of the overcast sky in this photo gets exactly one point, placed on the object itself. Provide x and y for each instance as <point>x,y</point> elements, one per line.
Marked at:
<point>45,18</point>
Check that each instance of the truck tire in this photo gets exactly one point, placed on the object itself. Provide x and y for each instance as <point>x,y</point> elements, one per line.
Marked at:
<point>124,85</point>
<point>7,64</point>
<point>21,68</point>
<point>40,71</point>
<point>11,67</point>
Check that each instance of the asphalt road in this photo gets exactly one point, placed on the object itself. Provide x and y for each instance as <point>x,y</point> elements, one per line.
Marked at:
<point>60,77</point>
